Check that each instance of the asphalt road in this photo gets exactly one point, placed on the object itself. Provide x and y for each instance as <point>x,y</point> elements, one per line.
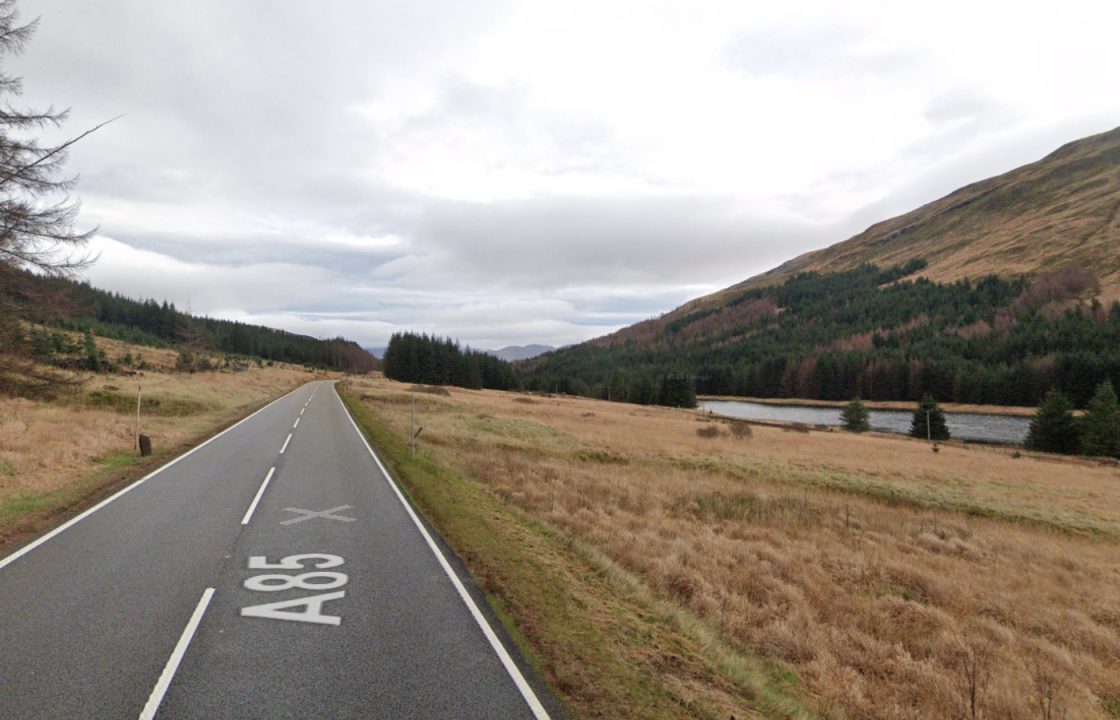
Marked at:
<point>273,572</point>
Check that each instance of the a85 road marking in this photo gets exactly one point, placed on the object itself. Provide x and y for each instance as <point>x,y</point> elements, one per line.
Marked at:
<point>318,577</point>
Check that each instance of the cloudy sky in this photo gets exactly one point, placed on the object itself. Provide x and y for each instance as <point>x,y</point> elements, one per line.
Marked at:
<point>516,172</point>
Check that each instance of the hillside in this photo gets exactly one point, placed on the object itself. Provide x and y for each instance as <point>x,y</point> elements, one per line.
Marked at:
<point>1063,208</point>
<point>79,307</point>
<point>992,295</point>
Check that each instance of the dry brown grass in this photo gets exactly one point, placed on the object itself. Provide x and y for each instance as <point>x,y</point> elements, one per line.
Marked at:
<point>48,446</point>
<point>898,583</point>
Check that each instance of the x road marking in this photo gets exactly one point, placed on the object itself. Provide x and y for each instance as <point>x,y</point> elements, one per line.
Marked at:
<point>325,514</point>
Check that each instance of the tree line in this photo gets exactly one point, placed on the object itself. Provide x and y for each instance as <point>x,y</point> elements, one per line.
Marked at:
<point>865,332</point>
<point>147,322</point>
<point>430,360</point>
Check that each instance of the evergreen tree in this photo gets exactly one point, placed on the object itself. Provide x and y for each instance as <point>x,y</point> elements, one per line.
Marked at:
<point>434,361</point>
<point>1101,424</point>
<point>929,421</point>
<point>1053,429</point>
<point>93,359</point>
<point>856,417</point>
<point>677,391</point>
<point>36,217</point>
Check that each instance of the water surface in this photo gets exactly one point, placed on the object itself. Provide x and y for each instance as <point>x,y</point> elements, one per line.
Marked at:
<point>1004,429</point>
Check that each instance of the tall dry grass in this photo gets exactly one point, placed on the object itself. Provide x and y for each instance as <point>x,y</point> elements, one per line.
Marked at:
<point>48,445</point>
<point>897,582</point>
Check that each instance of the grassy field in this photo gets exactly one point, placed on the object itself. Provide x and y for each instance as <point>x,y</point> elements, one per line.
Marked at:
<point>658,563</point>
<point>57,455</point>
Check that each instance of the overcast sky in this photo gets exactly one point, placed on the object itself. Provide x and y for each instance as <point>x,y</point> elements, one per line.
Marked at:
<point>522,172</point>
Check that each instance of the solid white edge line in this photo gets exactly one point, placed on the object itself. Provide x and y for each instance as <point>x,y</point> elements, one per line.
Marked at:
<point>172,666</point>
<point>511,667</point>
<point>257,498</point>
<point>286,444</point>
<point>36,543</point>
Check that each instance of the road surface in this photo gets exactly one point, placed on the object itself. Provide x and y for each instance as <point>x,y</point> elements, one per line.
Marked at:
<point>273,572</point>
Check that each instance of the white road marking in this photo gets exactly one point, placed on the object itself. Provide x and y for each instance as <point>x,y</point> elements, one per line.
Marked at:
<point>302,411</point>
<point>32,545</point>
<point>286,444</point>
<point>511,667</point>
<point>312,613</point>
<point>296,424</point>
<point>172,666</point>
<point>325,514</point>
<point>257,499</point>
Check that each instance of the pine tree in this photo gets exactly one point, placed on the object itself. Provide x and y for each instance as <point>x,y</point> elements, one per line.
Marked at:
<point>677,391</point>
<point>1101,424</point>
<point>93,359</point>
<point>928,421</point>
<point>1053,429</point>
<point>856,417</point>
<point>36,217</point>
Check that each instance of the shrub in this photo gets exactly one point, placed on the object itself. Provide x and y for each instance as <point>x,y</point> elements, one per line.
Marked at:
<point>856,417</point>
<point>740,429</point>
<point>1053,428</point>
<point>708,431</point>
<point>928,421</point>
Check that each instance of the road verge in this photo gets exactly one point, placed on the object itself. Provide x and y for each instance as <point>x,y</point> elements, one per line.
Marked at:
<point>605,644</point>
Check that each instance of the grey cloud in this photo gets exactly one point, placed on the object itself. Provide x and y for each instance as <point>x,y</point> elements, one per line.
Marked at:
<point>521,133</point>
<point>558,242</point>
<point>239,250</point>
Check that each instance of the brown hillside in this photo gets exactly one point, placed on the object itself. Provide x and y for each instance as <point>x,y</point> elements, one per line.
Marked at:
<point>1065,207</point>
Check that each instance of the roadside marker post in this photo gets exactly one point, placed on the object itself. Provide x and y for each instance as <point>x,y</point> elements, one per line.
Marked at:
<point>139,391</point>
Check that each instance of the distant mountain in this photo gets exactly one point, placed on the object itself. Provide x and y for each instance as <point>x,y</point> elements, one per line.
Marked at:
<point>521,352</point>
<point>993,294</point>
<point>378,352</point>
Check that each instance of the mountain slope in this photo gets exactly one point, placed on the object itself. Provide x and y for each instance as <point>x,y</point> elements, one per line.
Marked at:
<point>991,295</point>
<point>1062,208</point>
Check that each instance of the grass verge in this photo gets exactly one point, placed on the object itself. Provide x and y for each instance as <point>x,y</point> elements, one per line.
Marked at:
<point>28,514</point>
<point>607,645</point>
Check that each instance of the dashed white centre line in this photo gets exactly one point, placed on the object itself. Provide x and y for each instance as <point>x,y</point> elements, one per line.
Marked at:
<point>257,499</point>
<point>286,444</point>
<point>302,411</point>
<point>172,666</point>
<point>296,424</point>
